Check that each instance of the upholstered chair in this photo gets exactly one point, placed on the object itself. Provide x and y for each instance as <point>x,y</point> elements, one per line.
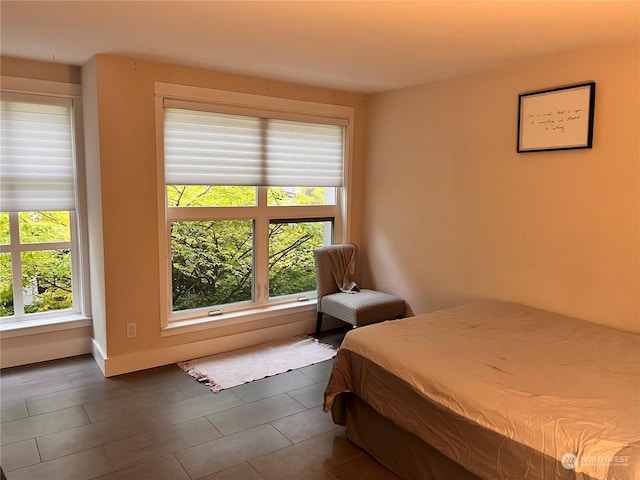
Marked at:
<point>341,298</point>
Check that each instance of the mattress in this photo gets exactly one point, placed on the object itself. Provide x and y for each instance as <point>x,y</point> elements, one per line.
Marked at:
<point>504,390</point>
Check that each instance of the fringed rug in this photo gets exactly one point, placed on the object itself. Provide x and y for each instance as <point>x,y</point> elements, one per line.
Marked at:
<point>229,369</point>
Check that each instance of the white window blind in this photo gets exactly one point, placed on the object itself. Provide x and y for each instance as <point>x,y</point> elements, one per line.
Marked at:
<point>208,148</point>
<point>36,161</point>
<point>304,154</point>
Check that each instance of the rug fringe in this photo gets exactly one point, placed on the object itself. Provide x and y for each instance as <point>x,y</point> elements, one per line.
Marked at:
<point>201,377</point>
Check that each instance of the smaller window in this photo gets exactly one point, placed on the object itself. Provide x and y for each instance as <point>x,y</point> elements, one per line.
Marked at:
<point>210,196</point>
<point>277,196</point>
<point>212,263</point>
<point>41,262</point>
<point>291,263</point>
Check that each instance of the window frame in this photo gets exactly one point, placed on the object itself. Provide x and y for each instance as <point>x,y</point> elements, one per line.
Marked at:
<point>17,88</point>
<point>244,104</point>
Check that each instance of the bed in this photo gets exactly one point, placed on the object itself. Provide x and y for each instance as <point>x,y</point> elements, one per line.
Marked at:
<point>493,391</point>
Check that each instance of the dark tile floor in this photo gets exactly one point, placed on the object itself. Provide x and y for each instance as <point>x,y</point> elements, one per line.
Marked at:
<point>63,420</point>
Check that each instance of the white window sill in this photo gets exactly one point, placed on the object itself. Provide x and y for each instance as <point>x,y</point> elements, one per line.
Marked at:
<point>180,327</point>
<point>20,328</point>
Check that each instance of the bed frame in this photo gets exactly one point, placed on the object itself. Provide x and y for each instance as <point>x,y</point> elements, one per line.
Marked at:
<point>401,452</point>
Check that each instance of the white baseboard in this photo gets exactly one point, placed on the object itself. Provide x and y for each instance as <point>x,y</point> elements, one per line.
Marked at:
<point>28,349</point>
<point>98,355</point>
<point>42,347</point>
<point>131,362</point>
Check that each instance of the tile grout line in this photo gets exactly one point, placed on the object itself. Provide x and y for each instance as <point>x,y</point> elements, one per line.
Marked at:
<point>135,384</point>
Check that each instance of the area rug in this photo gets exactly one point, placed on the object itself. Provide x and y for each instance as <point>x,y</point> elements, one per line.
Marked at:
<point>229,369</point>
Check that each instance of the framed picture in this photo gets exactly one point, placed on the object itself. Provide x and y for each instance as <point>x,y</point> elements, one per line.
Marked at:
<point>556,119</point>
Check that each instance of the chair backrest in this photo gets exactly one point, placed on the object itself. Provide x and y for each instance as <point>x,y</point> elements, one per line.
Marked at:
<point>326,283</point>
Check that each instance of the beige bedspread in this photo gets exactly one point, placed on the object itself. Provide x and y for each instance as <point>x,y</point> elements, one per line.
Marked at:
<point>504,390</point>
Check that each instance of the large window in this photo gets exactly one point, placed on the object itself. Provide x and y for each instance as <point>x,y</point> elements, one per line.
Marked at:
<point>39,251</point>
<point>250,193</point>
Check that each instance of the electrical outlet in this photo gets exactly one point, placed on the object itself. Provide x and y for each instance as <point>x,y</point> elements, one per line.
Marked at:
<point>131,330</point>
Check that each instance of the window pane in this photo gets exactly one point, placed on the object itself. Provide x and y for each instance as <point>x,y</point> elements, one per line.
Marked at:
<point>5,239</point>
<point>212,263</point>
<point>6,286</point>
<point>41,227</point>
<point>46,280</point>
<point>210,196</point>
<point>301,196</point>
<point>291,265</point>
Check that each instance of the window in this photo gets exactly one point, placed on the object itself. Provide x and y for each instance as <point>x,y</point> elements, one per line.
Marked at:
<point>39,247</point>
<point>249,194</point>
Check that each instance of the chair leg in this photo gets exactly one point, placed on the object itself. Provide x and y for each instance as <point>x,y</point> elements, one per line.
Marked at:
<point>318,324</point>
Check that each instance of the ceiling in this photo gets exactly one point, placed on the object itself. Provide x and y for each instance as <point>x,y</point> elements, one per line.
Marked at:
<point>362,46</point>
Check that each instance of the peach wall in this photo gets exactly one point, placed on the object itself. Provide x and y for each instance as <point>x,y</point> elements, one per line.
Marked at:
<point>452,213</point>
<point>53,72</point>
<point>128,184</point>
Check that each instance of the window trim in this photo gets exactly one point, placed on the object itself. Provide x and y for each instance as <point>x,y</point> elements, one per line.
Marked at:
<point>261,213</point>
<point>17,87</point>
<point>247,104</point>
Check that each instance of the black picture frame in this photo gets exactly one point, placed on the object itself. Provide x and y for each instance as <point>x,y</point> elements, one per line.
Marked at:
<point>557,118</point>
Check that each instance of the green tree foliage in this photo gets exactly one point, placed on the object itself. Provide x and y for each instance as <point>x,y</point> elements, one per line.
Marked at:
<point>291,265</point>
<point>210,196</point>
<point>4,228</point>
<point>212,261</point>
<point>46,280</point>
<point>6,286</point>
<point>46,273</point>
